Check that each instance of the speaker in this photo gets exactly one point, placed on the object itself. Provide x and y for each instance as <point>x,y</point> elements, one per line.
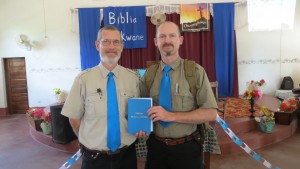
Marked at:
<point>62,132</point>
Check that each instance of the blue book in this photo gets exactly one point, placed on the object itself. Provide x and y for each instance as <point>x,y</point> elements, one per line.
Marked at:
<point>138,118</point>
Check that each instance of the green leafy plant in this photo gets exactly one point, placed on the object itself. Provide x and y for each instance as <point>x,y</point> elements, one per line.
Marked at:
<point>265,115</point>
<point>57,91</point>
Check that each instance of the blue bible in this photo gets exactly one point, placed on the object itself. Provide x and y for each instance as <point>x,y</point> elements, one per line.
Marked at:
<point>137,115</point>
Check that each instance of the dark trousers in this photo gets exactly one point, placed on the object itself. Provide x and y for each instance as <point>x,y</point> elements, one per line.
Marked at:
<point>124,160</point>
<point>182,156</point>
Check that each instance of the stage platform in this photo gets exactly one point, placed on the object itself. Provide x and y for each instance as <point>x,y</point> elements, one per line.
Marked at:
<point>244,127</point>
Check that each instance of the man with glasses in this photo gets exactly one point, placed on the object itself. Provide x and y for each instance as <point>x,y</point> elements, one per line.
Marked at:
<point>96,107</point>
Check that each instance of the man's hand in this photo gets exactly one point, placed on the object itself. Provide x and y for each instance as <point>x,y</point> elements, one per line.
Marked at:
<point>141,134</point>
<point>156,113</point>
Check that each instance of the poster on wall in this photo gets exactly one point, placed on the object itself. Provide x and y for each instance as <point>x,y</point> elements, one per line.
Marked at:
<point>194,17</point>
<point>131,21</point>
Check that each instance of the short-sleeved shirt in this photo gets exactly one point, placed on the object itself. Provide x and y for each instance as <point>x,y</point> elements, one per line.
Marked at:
<point>182,98</point>
<point>87,101</point>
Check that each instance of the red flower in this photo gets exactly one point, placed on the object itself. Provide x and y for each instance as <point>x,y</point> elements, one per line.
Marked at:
<point>47,117</point>
<point>253,94</point>
<point>35,113</point>
<point>262,81</point>
<point>288,105</point>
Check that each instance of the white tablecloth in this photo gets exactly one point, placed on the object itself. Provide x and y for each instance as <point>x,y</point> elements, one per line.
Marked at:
<point>284,94</point>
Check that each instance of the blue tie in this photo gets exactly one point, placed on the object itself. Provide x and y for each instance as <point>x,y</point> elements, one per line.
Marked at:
<point>113,123</point>
<point>165,94</point>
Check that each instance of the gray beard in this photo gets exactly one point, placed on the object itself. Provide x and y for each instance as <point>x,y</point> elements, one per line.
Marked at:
<point>109,61</point>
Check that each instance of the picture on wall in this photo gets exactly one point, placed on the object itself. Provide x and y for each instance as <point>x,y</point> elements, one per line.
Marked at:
<point>194,17</point>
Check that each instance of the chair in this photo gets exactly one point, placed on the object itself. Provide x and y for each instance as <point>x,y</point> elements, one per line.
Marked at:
<point>214,86</point>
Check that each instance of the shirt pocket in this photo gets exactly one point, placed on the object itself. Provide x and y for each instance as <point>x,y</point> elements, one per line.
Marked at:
<point>183,101</point>
<point>95,105</point>
<point>123,101</point>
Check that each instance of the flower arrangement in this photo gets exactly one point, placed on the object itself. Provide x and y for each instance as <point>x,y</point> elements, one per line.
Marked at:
<point>57,91</point>
<point>288,105</point>
<point>35,113</point>
<point>266,120</point>
<point>265,115</point>
<point>256,84</point>
<point>253,95</point>
<point>35,117</point>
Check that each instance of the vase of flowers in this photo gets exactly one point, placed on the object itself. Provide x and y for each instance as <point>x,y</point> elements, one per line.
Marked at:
<point>59,95</point>
<point>252,96</point>
<point>34,117</point>
<point>288,105</point>
<point>252,85</point>
<point>266,120</point>
<point>46,124</point>
<point>286,111</point>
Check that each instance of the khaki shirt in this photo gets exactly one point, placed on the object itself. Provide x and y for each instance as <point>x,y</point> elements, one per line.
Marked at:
<point>85,103</point>
<point>182,99</point>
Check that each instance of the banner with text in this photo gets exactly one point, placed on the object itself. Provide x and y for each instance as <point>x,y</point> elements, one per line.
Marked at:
<point>131,21</point>
<point>194,17</point>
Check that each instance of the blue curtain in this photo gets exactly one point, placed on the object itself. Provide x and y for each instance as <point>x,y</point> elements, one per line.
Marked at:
<point>89,25</point>
<point>224,46</point>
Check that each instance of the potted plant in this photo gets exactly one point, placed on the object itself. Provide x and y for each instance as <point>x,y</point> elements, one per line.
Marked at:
<point>34,117</point>
<point>46,124</point>
<point>286,111</point>
<point>58,94</point>
<point>266,120</point>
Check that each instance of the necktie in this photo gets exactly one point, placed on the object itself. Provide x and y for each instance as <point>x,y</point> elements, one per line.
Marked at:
<point>113,123</point>
<point>165,94</point>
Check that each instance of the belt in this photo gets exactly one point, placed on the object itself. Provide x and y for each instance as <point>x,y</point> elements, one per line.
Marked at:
<point>176,141</point>
<point>95,153</point>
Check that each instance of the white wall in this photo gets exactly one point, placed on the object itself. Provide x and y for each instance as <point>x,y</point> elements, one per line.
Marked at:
<point>269,55</point>
<point>56,61</point>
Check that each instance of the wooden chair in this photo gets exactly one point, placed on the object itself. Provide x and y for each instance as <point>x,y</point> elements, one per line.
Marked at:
<point>214,86</point>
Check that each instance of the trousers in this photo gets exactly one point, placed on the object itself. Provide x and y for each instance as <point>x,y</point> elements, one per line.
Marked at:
<point>181,156</point>
<point>126,159</point>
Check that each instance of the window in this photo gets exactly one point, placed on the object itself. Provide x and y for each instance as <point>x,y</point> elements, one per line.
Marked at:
<point>266,15</point>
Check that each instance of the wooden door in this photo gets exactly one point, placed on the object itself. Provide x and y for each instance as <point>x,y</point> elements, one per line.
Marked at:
<point>16,85</point>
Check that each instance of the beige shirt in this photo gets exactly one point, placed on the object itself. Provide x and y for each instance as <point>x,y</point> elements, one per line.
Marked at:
<point>85,103</point>
<point>182,99</point>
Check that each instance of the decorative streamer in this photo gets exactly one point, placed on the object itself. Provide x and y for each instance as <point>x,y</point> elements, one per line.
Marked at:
<point>71,161</point>
<point>244,146</point>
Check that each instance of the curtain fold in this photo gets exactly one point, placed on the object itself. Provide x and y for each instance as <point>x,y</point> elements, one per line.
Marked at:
<point>89,25</point>
<point>224,47</point>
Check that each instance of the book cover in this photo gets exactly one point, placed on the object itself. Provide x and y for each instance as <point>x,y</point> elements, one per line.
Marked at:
<point>138,118</point>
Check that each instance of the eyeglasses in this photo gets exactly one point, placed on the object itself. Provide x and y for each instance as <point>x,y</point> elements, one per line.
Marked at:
<point>107,42</point>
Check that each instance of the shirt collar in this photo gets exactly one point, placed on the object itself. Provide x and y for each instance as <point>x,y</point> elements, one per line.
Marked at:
<point>174,65</point>
<point>105,72</point>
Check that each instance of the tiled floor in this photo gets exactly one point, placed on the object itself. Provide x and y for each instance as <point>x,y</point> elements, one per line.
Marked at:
<point>19,151</point>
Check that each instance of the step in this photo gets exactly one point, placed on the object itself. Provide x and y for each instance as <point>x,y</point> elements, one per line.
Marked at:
<point>38,136</point>
<point>237,125</point>
<point>256,139</point>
